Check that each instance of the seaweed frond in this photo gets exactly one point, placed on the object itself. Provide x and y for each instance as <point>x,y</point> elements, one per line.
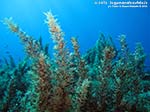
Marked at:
<point>32,46</point>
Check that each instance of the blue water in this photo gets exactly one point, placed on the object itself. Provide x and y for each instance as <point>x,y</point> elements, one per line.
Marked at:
<point>81,18</point>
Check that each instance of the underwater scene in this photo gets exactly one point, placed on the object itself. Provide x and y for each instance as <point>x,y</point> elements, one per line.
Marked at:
<point>74,56</point>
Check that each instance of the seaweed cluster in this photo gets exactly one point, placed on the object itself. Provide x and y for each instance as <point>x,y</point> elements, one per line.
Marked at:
<point>105,79</point>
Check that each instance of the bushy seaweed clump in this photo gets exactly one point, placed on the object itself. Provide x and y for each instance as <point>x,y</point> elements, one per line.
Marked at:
<point>105,79</point>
